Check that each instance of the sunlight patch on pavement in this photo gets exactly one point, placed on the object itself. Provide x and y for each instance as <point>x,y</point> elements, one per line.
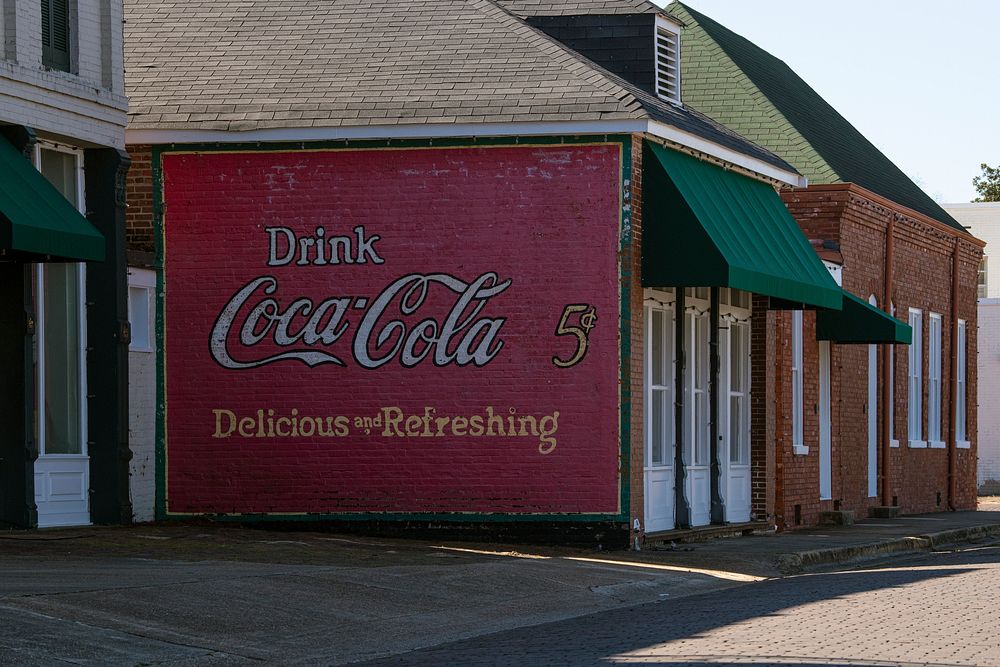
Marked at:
<point>718,574</point>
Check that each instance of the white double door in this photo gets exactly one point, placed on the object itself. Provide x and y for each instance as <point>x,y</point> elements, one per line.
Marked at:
<point>660,432</point>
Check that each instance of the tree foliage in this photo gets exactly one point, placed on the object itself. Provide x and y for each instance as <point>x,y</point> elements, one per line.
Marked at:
<point>987,184</point>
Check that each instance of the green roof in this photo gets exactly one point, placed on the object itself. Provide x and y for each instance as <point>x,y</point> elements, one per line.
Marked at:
<point>860,322</point>
<point>706,226</point>
<point>740,85</point>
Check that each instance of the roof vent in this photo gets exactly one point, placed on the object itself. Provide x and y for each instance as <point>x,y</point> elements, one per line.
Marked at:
<point>668,60</point>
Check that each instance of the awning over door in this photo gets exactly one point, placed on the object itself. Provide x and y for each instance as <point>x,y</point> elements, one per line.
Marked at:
<point>704,226</point>
<point>860,322</point>
<point>36,219</point>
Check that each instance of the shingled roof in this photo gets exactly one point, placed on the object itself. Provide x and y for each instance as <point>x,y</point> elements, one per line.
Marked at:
<point>241,65</point>
<point>763,99</point>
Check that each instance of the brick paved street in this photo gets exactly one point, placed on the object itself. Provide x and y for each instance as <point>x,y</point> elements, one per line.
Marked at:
<point>937,609</point>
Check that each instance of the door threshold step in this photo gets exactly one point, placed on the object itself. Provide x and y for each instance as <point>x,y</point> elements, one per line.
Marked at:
<point>705,533</point>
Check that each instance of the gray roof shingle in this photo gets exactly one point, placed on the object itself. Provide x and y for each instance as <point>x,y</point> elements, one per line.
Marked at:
<point>240,65</point>
<point>249,64</point>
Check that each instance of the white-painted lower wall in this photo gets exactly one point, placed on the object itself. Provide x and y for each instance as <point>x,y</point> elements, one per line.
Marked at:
<point>142,401</point>
<point>989,396</point>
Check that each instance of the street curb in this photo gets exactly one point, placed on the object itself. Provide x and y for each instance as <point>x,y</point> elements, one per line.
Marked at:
<point>796,563</point>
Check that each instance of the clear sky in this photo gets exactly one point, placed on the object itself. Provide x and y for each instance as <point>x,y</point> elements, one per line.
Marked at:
<point>921,80</point>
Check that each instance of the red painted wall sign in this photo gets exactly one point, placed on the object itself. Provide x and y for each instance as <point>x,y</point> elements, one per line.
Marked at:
<point>404,330</point>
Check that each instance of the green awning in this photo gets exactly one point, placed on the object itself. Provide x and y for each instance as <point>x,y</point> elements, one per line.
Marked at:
<point>860,322</point>
<point>35,219</point>
<point>704,226</point>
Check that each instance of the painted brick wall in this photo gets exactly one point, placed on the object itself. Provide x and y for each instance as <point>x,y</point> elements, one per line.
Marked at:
<point>989,396</point>
<point>858,221</point>
<point>544,217</point>
<point>88,104</point>
<point>142,433</point>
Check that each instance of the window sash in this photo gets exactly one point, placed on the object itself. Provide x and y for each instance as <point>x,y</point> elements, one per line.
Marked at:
<point>934,379</point>
<point>915,379</point>
<point>797,412</point>
<point>960,396</point>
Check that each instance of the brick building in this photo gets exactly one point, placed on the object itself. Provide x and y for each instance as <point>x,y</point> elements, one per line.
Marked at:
<point>888,243</point>
<point>482,269</point>
<point>63,323</point>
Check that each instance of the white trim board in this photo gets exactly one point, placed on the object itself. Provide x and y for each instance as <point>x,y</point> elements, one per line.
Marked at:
<point>455,130</point>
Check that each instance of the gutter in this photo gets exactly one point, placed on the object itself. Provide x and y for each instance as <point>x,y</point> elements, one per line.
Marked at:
<point>161,136</point>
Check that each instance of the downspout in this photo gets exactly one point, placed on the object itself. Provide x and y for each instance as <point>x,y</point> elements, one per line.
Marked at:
<point>953,386</point>
<point>887,362</point>
<point>718,504</point>
<point>682,511</point>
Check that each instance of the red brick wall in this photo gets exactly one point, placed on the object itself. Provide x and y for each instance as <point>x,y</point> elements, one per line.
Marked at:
<point>631,262</point>
<point>139,196</point>
<point>923,255</point>
<point>551,225</point>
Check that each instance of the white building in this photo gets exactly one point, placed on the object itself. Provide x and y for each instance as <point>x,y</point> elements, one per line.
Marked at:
<point>64,326</point>
<point>983,220</point>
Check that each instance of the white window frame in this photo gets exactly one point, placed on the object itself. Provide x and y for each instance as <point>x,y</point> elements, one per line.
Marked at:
<point>142,279</point>
<point>665,26</point>
<point>915,382</point>
<point>798,415</point>
<point>666,303</point>
<point>934,366</point>
<point>39,277</point>
<point>961,389</point>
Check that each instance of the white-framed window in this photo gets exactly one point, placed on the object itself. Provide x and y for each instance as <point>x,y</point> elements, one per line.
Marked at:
<point>668,60</point>
<point>893,440</point>
<point>798,437</point>
<point>981,284</point>
<point>961,416</point>
<point>915,382</point>
<point>141,288</point>
<point>660,379</point>
<point>60,350</point>
<point>696,379</point>
<point>934,381</point>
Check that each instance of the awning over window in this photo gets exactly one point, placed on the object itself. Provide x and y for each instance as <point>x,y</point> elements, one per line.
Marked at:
<point>36,219</point>
<point>860,322</point>
<point>704,226</point>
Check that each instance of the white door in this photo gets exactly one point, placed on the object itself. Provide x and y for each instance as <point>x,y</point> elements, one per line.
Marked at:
<point>658,470</point>
<point>697,413</point>
<point>825,435</point>
<point>734,410</point>
<point>62,470</point>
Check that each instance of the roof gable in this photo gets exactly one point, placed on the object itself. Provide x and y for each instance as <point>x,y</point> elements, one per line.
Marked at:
<point>833,149</point>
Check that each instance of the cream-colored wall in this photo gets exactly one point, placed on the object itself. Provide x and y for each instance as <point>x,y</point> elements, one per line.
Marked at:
<point>989,396</point>
<point>983,220</point>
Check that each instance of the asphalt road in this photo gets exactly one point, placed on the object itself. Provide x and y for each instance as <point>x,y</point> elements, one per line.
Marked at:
<point>936,609</point>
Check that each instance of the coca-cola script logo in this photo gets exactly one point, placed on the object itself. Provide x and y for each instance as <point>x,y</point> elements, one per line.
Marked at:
<point>305,329</point>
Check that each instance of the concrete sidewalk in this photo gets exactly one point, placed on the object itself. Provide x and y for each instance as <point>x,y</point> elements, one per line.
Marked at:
<point>798,551</point>
<point>208,594</point>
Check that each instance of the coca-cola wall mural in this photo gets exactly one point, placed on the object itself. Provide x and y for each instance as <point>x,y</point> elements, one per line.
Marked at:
<point>418,330</point>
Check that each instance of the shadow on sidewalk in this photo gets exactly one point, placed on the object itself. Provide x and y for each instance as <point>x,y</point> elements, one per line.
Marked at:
<point>609,637</point>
